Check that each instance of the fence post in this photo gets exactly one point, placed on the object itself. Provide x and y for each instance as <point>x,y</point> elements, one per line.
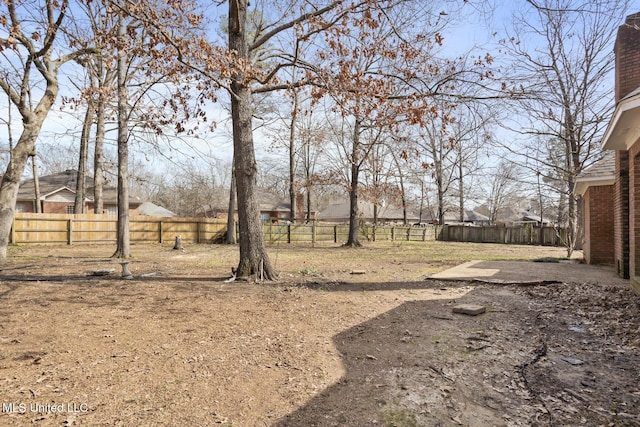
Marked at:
<point>288,233</point>
<point>198,232</point>
<point>393,234</point>
<point>314,232</point>
<point>160,232</point>
<point>69,231</point>
<point>12,235</point>
<point>335,234</point>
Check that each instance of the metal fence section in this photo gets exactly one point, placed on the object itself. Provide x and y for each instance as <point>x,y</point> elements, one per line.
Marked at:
<point>88,228</point>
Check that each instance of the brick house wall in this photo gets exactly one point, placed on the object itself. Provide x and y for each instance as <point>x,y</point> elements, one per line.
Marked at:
<point>598,242</point>
<point>621,214</point>
<point>55,207</point>
<point>627,79</point>
<point>634,214</point>
<point>627,60</point>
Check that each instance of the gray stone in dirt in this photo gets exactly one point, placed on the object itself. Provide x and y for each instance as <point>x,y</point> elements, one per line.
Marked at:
<point>469,309</point>
<point>572,360</point>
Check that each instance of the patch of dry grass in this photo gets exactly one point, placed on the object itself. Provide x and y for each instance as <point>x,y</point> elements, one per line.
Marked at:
<point>396,261</point>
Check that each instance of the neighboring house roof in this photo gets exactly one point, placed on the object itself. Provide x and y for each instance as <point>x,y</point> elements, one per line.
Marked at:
<point>469,216</point>
<point>602,172</point>
<point>151,209</point>
<point>339,212</point>
<point>57,183</point>
<point>624,128</point>
<point>269,202</point>
<point>529,217</point>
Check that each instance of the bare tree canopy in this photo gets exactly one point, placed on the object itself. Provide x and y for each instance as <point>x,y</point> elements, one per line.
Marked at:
<point>562,62</point>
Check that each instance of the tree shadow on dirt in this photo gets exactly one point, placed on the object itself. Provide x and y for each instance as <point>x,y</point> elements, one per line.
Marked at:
<point>420,364</point>
<point>403,368</point>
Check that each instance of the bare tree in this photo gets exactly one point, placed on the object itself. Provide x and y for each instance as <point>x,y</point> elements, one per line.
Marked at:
<point>563,56</point>
<point>503,187</point>
<point>29,40</point>
<point>437,149</point>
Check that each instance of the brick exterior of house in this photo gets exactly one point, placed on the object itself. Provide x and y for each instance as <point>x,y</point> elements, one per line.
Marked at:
<point>634,214</point>
<point>627,184</point>
<point>598,241</point>
<point>621,214</point>
<point>627,60</point>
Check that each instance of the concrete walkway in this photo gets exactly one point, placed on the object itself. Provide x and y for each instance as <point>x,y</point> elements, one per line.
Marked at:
<point>516,271</point>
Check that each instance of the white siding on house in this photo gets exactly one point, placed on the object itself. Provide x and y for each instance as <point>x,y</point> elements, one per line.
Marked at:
<point>61,196</point>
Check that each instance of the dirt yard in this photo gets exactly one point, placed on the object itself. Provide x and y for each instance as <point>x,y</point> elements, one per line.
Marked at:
<point>177,345</point>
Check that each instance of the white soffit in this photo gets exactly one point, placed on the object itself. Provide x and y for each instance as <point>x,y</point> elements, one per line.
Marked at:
<point>583,184</point>
<point>624,128</point>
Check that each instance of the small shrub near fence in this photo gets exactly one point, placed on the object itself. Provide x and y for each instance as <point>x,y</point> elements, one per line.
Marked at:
<point>88,228</point>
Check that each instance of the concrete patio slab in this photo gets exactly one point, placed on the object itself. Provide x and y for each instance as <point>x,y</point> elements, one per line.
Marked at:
<point>516,271</point>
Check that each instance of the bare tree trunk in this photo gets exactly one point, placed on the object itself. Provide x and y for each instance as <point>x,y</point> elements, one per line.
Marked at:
<point>292,157</point>
<point>421,199</point>
<point>375,214</point>
<point>439,176</point>
<point>540,236</point>
<point>253,253</point>
<point>352,240</point>
<point>461,182</point>
<point>440,205</point>
<point>98,178</point>
<point>32,122</point>
<point>308,217</point>
<point>403,194</point>
<point>123,249</point>
<point>11,178</point>
<point>36,182</point>
<point>230,238</point>
<point>9,119</point>
<point>83,158</point>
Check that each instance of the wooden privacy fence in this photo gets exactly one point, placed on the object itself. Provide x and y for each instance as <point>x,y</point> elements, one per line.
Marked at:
<point>517,235</point>
<point>89,228</point>
<point>318,232</point>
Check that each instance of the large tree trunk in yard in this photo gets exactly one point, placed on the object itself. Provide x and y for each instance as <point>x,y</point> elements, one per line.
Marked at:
<point>32,122</point>
<point>98,179</point>
<point>36,183</point>
<point>11,178</point>
<point>354,222</point>
<point>230,238</point>
<point>253,254</point>
<point>292,158</point>
<point>83,158</point>
<point>123,249</point>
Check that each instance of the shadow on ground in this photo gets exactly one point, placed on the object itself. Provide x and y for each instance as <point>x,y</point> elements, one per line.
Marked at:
<point>422,365</point>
